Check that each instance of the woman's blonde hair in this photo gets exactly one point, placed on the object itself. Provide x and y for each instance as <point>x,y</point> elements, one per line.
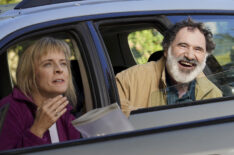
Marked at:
<point>25,73</point>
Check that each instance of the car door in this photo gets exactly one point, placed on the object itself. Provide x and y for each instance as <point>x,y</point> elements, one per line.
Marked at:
<point>120,35</point>
<point>191,127</point>
<point>92,77</point>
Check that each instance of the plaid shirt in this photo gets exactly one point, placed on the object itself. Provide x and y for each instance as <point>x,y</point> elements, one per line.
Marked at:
<point>172,94</point>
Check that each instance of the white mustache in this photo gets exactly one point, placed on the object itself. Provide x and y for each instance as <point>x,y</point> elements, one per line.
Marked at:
<point>192,61</point>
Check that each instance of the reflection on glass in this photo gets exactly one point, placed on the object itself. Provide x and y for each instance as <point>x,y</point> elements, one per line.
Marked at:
<point>224,81</point>
<point>222,28</point>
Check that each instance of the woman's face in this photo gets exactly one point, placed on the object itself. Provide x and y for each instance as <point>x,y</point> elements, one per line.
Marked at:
<point>52,74</point>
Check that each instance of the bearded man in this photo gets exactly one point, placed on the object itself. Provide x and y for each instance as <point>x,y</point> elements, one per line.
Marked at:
<point>175,78</point>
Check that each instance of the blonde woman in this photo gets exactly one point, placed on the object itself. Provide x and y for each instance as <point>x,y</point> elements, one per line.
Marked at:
<point>39,110</point>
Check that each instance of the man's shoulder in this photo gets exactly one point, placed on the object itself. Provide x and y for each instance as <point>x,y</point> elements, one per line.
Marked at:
<point>142,69</point>
<point>206,85</point>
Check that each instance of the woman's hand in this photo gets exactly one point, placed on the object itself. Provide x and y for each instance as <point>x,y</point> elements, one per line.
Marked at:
<point>47,114</point>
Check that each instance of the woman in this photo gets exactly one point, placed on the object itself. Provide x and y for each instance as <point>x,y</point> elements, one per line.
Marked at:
<point>39,111</point>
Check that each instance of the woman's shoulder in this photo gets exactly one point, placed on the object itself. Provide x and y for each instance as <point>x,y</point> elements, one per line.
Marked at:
<point>14,99</point>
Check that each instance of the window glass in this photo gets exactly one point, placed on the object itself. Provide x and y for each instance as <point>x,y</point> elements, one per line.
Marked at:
<point>220,64</point>
<point>143,43</point>
<point>222,28</point>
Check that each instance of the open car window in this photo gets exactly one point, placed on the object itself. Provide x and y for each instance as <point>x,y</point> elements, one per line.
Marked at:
<point>14,52</point>
<point>79,79</point>
<point>76,65</point>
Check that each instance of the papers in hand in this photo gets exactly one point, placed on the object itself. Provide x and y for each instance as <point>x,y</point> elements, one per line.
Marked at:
<point>102,121</point>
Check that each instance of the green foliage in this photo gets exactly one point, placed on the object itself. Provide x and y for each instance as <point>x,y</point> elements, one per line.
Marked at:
<point>143,43</point>
<point>224,51</point>
<point>223,59</point>
<point>2,2</point>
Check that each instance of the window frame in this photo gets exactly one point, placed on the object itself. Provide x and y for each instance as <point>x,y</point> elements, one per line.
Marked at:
<point>120,25</point>
<point>96,94</point>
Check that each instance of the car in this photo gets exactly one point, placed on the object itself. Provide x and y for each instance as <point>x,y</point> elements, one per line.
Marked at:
<point>109,36</point>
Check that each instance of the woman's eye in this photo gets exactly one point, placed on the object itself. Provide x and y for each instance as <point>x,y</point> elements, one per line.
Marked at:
<point>64,64</point>
<point>47,64</point>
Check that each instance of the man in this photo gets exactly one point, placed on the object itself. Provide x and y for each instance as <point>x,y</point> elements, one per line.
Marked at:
<point>186,47</point>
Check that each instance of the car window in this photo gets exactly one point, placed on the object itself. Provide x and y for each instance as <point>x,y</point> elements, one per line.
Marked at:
<point>78,72</point>
<point>172,94</point>
<point>220,63</point>
<point>143,43</point>
<point>15,51</point>
<point>130,44</point>
<point>223,33</point>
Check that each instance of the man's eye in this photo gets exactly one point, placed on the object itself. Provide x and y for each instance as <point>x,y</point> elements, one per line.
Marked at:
<point>199,49</point>
<point>182,45</point>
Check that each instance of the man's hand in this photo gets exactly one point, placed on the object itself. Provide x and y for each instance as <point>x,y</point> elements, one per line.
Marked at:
<point>47,114</point>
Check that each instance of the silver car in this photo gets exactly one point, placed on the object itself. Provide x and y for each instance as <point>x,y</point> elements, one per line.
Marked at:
<point>108,36</point>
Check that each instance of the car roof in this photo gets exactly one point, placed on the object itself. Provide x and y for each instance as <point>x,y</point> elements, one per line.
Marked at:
<point>15,19</point>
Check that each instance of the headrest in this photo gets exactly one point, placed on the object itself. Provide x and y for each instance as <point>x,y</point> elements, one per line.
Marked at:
<point>155,56</point>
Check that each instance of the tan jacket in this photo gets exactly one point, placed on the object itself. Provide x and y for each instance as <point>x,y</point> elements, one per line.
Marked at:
<point>142,86</point>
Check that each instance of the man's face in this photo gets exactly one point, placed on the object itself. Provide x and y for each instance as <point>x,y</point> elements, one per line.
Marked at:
<point>186,56</point>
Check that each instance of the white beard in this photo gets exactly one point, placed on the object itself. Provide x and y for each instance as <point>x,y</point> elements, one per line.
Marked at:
<point>179,75</point>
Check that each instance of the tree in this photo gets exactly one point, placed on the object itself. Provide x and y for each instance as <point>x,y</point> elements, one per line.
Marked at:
<point>3,2</point>
<point>143,43</point>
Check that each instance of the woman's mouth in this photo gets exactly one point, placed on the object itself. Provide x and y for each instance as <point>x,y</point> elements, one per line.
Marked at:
<point>58,81</point>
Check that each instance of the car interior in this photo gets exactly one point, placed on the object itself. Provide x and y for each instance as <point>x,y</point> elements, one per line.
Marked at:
<point>115,36</point>
<point>115,33</point>
<point>9,62</point>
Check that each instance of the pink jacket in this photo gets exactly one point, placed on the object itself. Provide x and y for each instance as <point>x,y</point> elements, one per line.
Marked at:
<point>19,118</point>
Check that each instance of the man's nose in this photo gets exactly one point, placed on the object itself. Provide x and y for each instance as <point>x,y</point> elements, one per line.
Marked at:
<point>190,54</point>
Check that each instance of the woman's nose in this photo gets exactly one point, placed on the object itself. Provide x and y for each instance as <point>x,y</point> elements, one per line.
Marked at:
<point>58,68</point>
